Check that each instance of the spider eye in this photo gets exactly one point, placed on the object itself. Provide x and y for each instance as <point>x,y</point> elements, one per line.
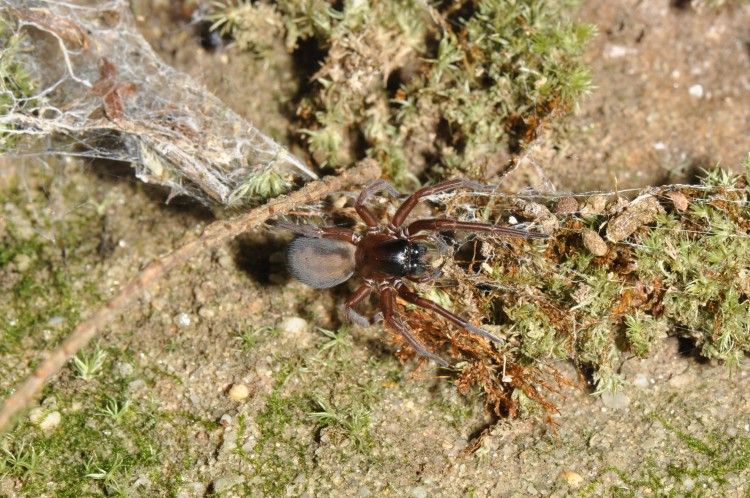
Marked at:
<point>320,263</point>
<point>419,249</point>
<point>417,264</point>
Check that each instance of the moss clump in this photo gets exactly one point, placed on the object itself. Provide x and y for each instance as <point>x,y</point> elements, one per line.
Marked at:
<point>41,301</point>
<point>678,267</point>
<point>457,85</point>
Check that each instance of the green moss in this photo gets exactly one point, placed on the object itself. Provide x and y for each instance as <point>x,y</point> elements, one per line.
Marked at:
<point>709,462</point>
<point>42,300</point>
<point>467,82</point>
<point>683,271</point>
<point>702,257</point>
<point>102,442</point>
<point>259,187</point>
<point>277,457</point>
<point>352,420</point>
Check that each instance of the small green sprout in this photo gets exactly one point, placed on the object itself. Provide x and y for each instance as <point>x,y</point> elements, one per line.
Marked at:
<point>87,367</point>
<point>746,165</point>
<point>607,382</point>
<point>114,409</point>
<point>355,425</point>
<point>642,332</point>
<point>228,16</point>
<point>339,340</point>
<point>259,186</point>
<point>718,177</point>
<point>111,475</point>
<point>248,336</point>
<point>22,462</point>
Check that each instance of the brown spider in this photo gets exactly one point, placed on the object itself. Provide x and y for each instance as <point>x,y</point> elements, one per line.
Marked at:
<point>384,256</point>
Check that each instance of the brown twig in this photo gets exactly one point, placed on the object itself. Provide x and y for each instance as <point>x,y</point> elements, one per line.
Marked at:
<point>213,235</point>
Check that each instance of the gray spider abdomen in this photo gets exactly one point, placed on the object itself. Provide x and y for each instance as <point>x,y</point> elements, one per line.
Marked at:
<point>320,263</point>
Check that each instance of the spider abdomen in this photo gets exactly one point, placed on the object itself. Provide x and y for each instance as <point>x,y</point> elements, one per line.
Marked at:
<point>384,256</point>
<point>320,263</point>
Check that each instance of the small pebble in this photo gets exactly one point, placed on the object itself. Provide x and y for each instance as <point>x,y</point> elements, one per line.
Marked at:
<point>640,380</point>
<point>206,312</point>
<point>192,489</point>
<point>573,479</point>
<point>226,261</point>
<point>688,483</point>
<point>419,492</point>
<point>36,415</point>
<point>293,325</point>
<point>340,202</point>
<point>51,421</point>
<point>23,262</point>
<point>225,483</point>
<point>615,401</point>
<point>238,392</point>
<point>56,321</point>
<point>182,320</point>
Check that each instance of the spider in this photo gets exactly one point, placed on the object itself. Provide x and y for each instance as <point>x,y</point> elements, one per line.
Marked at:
<point>385,257</point>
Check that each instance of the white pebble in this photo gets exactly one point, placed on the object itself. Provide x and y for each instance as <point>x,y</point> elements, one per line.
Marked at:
<point>238,392</point>
<point>51,421</point>
<point>419,492</point>
<point>640,380</point>
<point>688,483</point>
<point>615,401</point>
<point>182,320</point>
<point>293,325</point>
<point>696,91</point>
<point>36,415</point>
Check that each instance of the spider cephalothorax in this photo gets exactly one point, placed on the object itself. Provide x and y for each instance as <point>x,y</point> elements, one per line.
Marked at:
<point>384,257</point>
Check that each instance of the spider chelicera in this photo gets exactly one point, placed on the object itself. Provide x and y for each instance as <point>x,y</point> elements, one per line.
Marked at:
<point>384,257</point>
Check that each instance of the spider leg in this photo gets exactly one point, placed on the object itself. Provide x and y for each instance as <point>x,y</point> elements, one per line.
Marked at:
<point>366,213</point>
<point>387,301</point>
<point>317,232</point>
<point>360,295</point>
<point>414,298</point>
<point>447,224</point>
<point>404,209</point>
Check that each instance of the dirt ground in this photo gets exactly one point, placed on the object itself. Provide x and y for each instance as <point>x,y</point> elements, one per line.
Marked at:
<point>325,415</point>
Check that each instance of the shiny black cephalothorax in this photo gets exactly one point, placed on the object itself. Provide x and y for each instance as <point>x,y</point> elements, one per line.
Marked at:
<point>386,256</point>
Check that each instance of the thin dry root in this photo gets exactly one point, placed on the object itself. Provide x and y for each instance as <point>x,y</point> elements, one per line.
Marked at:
<point>213,235</point>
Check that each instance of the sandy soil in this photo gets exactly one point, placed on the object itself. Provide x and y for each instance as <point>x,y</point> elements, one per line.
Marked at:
<point>673,93</point>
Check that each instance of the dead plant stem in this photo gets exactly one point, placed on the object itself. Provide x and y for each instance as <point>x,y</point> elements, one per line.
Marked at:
<point>213,235</point>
